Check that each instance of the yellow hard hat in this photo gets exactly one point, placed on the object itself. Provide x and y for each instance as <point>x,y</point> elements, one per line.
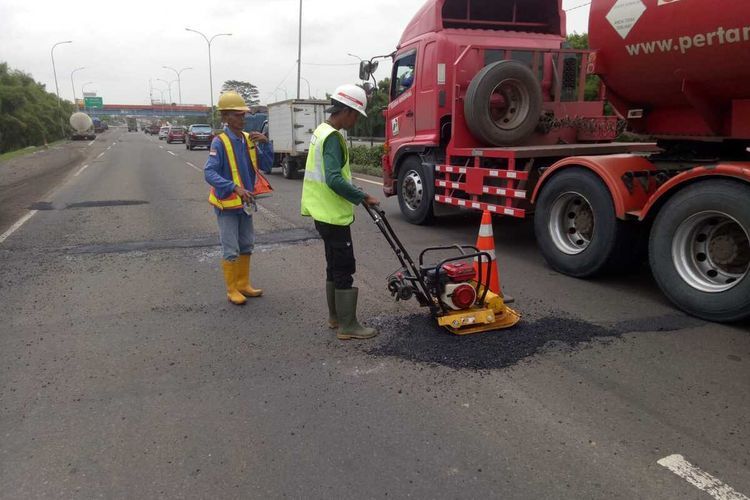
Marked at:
<point>232,101</point>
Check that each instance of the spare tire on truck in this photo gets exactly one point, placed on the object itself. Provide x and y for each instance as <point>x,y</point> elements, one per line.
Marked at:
<point>503,104</point>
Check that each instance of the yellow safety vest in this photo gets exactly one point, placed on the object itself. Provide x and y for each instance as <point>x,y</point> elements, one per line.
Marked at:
<point>318,200</point>
<point>233,201</point>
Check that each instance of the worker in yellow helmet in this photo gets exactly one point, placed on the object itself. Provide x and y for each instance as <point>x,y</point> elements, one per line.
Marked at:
<point>233,160</point>
<point>329,197</point>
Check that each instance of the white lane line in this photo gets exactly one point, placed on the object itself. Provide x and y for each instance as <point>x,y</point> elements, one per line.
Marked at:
<point>114,143</point>
<point>109,148</point>
<point>100,155</point>
<point>171,153</point>
<point>199,170</point>
<point>18,224</point>
<point>90,143</point>
<point>700,479</point>
<point>368,180</point>
<point>161,147</point>
<point>81,170</point>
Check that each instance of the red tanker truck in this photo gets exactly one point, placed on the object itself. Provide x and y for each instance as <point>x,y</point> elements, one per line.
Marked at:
<point>488,111</point>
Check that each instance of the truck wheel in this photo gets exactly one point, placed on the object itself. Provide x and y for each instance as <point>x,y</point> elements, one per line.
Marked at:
<point>503,103</point>
<point>289,167</point>
<point>576,227</point>
<point>416,191</point>
<point>699,250</point>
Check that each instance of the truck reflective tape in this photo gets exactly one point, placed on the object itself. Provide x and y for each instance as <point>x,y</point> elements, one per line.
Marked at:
<point>441,74</point>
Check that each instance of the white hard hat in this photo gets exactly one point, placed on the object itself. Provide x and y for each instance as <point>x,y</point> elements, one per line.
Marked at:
<point>352,96</point>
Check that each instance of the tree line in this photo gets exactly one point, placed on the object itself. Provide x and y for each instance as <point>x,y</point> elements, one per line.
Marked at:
<point>29,114</point>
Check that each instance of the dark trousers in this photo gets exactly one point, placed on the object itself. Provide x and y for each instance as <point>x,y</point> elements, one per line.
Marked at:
<point>340,263</point>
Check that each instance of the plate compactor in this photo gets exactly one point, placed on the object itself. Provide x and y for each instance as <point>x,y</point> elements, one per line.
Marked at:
<point>456,293</point>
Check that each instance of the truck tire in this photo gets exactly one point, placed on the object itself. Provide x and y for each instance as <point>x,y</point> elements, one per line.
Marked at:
<point>576,227</point>
<point>289,167</point>
<point>699,250</point>
<point>416,191</point>
<point>503,104</point>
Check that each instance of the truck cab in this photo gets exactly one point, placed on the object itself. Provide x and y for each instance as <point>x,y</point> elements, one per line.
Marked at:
<point>445,48</point>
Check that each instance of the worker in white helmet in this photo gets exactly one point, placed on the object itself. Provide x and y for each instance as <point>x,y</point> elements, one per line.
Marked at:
<point>329,197</point>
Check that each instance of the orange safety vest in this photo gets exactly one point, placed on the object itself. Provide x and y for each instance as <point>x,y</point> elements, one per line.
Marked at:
<point>233,201</point>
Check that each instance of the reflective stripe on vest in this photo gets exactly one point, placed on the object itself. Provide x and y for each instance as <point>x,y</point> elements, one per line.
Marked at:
<point>318,200</point>
<point>233,200</point>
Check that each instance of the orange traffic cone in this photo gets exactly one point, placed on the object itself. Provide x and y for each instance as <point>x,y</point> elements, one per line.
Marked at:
<point>486,243</point>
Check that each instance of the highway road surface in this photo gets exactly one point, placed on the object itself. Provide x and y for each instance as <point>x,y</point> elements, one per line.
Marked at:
<point>125,373</point>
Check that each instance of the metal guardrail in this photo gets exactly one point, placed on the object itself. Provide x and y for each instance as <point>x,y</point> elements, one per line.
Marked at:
<point>365,141</point>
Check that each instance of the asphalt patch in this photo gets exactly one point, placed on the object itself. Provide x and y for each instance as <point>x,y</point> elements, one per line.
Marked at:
<point>283,237</point>
<point>107,203</point>
<point>418,338</point>
<point>42,205</point>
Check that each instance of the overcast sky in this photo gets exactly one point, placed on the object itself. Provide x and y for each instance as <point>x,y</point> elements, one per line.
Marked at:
<point>124,43</point>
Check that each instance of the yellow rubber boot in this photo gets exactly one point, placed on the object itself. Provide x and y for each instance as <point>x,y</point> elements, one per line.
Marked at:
<point>230,278</point>
<point>243,278</point>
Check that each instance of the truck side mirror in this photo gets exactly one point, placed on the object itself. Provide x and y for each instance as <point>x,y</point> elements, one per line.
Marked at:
<point>365,70</point>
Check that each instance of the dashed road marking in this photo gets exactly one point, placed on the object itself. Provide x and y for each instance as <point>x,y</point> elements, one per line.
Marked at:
<point>90,143</point>
<point>161,147</point>
<point>81,170</point>
<point>100,155</point>
<point>18,224</point>
<point>368,180</point>
<point>190,164</point>
<point>171,153</point>
<point>700,479</point>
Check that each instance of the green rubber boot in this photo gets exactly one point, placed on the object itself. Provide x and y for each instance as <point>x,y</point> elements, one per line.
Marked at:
<point>333,321</point>
<point>346,310</point>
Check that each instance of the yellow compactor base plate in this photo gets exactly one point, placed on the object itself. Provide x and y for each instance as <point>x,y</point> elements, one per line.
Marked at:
<point>479,320</point>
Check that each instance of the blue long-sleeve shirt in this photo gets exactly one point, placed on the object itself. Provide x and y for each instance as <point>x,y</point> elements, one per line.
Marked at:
<point>218,173</point>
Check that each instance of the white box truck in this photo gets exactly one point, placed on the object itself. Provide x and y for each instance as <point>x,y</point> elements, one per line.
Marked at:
<point>291,124</point>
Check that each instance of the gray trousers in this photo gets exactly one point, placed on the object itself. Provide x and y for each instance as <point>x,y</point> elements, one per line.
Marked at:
<point>235,233</point>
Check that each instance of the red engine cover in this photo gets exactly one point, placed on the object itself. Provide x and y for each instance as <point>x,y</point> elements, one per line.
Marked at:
<point>459,272</point>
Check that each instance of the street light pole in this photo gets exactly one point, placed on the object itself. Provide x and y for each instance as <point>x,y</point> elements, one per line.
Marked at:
<point>210,74</point>
<point>299,49</point>
<point>179,84</point>
<point>75,101</point>
<point>309,94</point>
<point>57,89</point>
<point>169,86</point>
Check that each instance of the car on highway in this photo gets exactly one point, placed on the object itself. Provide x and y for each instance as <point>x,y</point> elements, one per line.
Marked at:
<point>199,135</point>
<point>176,134</point>
<point>163,132</point>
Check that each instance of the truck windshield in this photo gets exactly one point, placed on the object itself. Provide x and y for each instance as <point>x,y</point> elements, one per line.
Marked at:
<point>403,74</point>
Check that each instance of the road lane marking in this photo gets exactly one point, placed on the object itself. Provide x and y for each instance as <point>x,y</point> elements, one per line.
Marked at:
<point>81,170</point>
<point>90,143</point>
<point>199,170</point>
<point>171,153</point>
<point>161,147</point>
<point>18,224</point>
<point>100,155</point>
<point>368,180</point>
<point>114,143</point>
<point>700,479</point>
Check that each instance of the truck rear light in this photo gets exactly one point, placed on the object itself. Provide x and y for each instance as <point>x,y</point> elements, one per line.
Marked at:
<point>386,147</point>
